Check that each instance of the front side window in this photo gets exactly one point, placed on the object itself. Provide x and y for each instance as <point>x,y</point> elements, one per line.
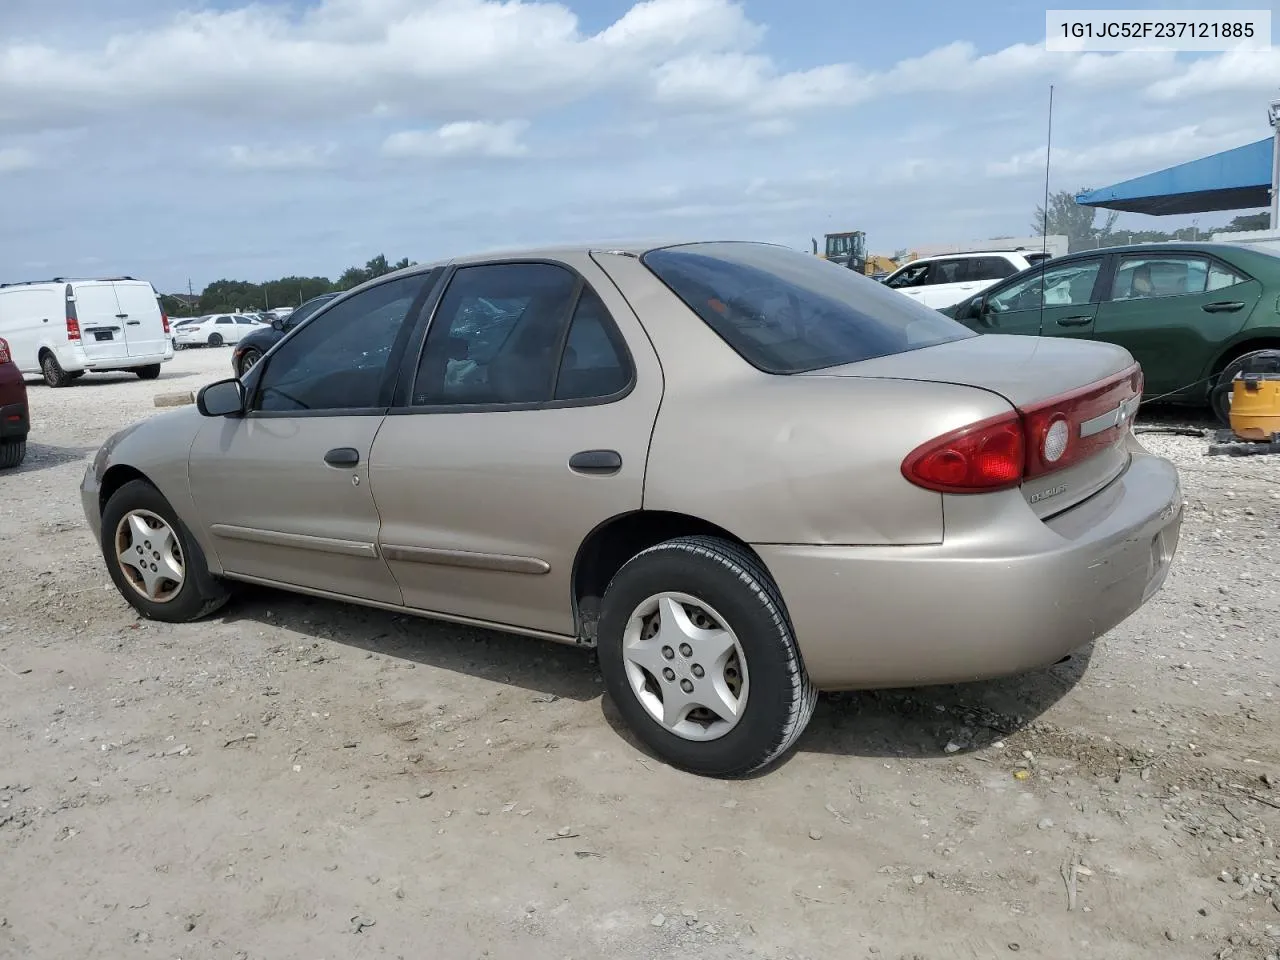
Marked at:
<point>912,275</point>
<point>785,312</point>
<point>1143,277</point>
<point>1065,284</point>
<point>949,271</point>
<point>340,361</point>
<point>496,336</point>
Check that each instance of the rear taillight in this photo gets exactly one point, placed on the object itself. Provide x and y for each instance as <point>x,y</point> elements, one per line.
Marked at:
<point>1002,452</point>
<point>979,458</point>
<point>5,355</point>
<point>73,328</point>
<point>1071,428</point>
<point>165,321</point>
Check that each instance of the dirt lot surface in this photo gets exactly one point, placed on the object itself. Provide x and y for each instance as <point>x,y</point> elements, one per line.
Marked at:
<point>299,779</point>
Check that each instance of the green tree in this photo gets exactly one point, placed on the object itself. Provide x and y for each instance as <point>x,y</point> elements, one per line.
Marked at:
<point>1073,220</point>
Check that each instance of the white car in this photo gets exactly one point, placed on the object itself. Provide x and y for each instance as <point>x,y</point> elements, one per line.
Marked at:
<point>942,281</point>
<point>215,330</point>
<point>62,329</point>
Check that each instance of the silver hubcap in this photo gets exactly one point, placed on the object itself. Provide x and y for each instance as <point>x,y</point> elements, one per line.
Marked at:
<point>250,358</point>
<point>150,556</point>
<point>685,666</point>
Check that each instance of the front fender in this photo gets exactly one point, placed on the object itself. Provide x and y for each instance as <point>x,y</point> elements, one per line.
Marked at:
<point>158,450</point>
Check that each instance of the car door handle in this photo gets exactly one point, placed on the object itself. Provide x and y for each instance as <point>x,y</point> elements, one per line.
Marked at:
<point>134,323</point>
<point>1223,306</point>
<point>342,457</point>
<point>122,316</point>
<point>1074,321</point>
<point>596,461</point>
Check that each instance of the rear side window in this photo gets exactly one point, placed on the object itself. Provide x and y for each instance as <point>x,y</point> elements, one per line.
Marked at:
<point>990,268</point>
<point>787,312</point>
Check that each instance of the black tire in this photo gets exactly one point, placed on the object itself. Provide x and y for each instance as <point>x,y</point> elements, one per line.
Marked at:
<point>215,339</point>
<point>54,375</point>
<point>12,453</point>
<point>247,360</point>
<point>1220,394</point>
<point>150,372</point>
<point>780,698</point>
<point>200,594</point>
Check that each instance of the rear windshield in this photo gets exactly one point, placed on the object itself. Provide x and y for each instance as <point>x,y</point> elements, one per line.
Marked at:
<point>790,312</point>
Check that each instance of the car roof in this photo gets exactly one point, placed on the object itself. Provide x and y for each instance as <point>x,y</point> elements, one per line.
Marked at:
<point>628,247</point>
<point>1167,246</point>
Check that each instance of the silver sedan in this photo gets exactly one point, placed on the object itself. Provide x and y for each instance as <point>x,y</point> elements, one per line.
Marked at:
<point>740,473</point>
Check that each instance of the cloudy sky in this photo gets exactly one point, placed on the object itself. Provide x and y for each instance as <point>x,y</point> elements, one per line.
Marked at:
<point>198,139</point>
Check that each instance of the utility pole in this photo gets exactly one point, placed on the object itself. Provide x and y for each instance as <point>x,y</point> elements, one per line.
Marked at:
<point>191,307</point>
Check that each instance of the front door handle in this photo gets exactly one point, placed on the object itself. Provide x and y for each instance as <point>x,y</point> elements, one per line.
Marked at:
<point>342,457</point>
<point>596,461</point>
<point>1223,306</point>
<point>1075,321</point>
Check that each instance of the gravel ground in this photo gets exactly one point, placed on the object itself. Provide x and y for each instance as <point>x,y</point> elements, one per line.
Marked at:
<point>295,778</point>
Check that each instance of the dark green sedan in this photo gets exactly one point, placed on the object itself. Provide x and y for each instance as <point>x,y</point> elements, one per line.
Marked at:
<point>1188,312</point>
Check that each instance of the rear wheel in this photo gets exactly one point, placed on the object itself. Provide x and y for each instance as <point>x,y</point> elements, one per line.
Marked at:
<point>215,339</point>
<point>150,372</point>
<point>698,655</point>
<point>54,375</point>
<point>12,453</point>
<point>1220,395</point>
<point>153,560</point>
<point>248,360</point>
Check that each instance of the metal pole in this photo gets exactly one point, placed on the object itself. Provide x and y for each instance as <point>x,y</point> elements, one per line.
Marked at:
<point>1274,116</point>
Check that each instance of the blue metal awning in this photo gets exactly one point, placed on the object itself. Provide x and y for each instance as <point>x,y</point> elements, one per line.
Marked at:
<point>1238,179</point>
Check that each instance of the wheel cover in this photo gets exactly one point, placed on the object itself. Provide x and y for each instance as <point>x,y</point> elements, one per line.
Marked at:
<point>247,362</point>
<point>686,666</point>
<point>150,556</point>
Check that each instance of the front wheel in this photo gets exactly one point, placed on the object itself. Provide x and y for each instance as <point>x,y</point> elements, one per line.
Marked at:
<point>697,653</point>
<point>153,559</point>
<point>248,360</point>
<point>150,372</point>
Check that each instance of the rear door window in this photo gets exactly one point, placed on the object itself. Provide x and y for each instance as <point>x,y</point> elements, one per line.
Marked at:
<point>990,268</point>
<point>949,271</point>
<point>787,312</point>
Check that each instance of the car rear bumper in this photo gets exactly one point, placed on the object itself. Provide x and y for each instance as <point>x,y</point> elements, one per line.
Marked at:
<point>15,421</point>
<point>999,598</point>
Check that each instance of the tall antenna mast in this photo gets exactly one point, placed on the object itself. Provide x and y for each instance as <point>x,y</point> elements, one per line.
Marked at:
<point>1044,223</point>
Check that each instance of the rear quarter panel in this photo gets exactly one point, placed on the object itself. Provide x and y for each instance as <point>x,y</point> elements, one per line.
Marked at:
<point>777,459</point>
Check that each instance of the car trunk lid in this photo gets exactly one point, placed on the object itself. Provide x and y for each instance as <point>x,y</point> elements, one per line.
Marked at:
<point>1095,388</point>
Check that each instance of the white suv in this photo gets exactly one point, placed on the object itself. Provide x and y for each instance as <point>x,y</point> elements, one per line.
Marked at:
<point>942,281</point>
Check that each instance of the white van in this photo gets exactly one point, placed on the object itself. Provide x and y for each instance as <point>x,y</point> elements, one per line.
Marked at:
<point>62,329</point>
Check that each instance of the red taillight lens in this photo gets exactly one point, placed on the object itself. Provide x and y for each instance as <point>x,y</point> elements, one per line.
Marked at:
<point>73,328</point>
<point>979,458</point>
<point>5,355</point>
<point>1071,428</point>
<point>1001,452</point>
<point>165,320</point>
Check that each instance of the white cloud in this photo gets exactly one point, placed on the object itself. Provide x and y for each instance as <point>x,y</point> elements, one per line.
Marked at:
<point>464,139</point>
<point>14,159</point>
<point>241,157</point>
<point>1238,71</point>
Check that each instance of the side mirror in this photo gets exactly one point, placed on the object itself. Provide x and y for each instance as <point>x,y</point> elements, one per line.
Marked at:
<point>226,398</point>
<point>278,325</point>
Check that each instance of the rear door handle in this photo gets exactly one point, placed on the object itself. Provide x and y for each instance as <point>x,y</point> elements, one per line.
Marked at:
<point>596,461</point>
<point>342,457</point>
<point>1075,321</point>
<point>1223,306</point>
<point>134,323</point>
